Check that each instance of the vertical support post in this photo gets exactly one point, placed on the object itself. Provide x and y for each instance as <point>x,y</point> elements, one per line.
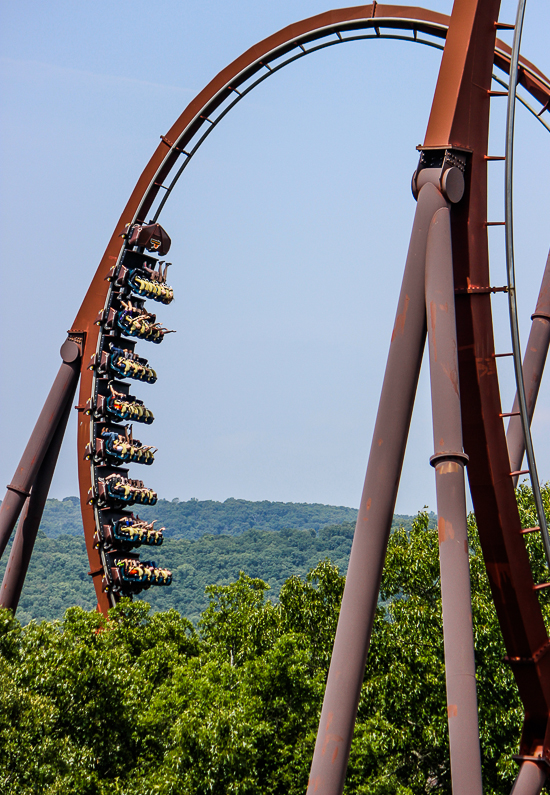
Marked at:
<point>533,367</point>
<point>23,543</point>
<point>41,437</point>
<point>530,780</point>
<point>347,667</point>
<point>449,460</point>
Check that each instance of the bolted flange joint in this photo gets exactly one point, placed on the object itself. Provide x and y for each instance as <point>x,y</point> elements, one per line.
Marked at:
<point>439,458</point>
<point>444,169</point>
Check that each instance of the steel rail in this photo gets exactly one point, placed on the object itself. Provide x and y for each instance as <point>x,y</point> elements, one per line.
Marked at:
<point>435,30</point>
<point>200,112</point>
<point>241,95</point>
<point>511,277</point>
<point>204,116</point>
<point>197,114</point>
<point>450,127</point>
<point>524,102</point>
<point>272,71</point>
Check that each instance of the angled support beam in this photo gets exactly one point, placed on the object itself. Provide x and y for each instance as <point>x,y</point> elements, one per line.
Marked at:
<point>449,461</point>
<point>39,443</point>
<point>347,667</point>
<point>530,780</point>
<point>23,543</point>
<point>534,360</point>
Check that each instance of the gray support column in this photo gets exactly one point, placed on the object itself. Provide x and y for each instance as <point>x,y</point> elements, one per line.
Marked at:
<point>449,460</point>
<point>23,543</point>
<point>37,446</point>
<point>347,667</point>
<point>530,780</point>
<point>534,360</point>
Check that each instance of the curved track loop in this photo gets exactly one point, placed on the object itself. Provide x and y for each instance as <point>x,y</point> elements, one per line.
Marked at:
<point>408,23</point>
<point>492,490</point>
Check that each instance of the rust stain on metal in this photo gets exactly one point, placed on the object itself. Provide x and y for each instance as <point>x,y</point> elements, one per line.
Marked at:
<point>452,711</point>
<point>399,326</point>
<point>433,320</point>
<point>452,375</point>
<point>441,529</point>
<point>327,735</point>
<point>447,467</point>
<point>486,366</point>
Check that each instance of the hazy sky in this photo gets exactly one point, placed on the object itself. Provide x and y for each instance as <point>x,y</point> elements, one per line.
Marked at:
<point>290,230</point>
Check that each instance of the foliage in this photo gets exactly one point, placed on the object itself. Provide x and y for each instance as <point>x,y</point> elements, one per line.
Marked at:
<point>57,576</point>
<point>147,703</point>
<point>193,518</point>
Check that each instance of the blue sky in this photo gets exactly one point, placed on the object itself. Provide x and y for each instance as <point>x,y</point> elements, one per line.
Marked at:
<point>289,232</point>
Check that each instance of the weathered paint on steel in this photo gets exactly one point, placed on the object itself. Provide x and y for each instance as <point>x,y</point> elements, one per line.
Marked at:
<point>449,460</point>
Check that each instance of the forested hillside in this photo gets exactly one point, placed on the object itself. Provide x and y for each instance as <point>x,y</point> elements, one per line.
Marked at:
<point>193,518</point>
<point>57,576</point>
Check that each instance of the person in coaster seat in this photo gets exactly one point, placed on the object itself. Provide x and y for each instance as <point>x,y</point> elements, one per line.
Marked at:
<point>144,324</point>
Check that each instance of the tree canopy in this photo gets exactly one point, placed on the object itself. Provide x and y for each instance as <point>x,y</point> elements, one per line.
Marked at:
<point>57,576</point>
<point>147,703</point>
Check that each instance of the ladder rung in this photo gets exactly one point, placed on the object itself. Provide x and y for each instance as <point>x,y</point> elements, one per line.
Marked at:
<point>541,585</point>
<point>495,223</point>
<point>519,472</point>
<point>495,157</point>
<point>504,26</point>
<point>510,414</point>
<point>474,289</point>
<point>525,530</point>
<point>498,355</point>
<point>497,93</point>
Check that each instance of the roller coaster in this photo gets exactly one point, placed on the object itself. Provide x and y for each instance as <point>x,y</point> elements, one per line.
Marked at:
<point>445,297</point>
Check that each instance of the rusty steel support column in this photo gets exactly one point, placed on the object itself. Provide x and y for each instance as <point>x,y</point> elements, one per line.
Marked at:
<point>533,367</point>
<point>41,437</point>
<point>530,780</point>
<point>23,543</point>
<point>449,461</point>
<point>347,667</point>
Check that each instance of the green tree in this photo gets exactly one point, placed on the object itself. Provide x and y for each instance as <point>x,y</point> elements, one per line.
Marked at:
<point>145,703</point>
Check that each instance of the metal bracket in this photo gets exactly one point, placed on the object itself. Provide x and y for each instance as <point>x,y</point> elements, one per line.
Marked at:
<point>529,660</point>
<point>452,166</point>
<point>19,491</point>
<point>474,289</point>
<point>438,458</point>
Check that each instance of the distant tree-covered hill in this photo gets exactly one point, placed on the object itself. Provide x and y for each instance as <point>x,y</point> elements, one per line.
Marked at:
<point>207,543</point>
<point>57,576</point>
<point>193,518</point>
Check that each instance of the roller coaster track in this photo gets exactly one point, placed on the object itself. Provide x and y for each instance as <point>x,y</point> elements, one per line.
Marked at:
<point>100,345</point>
<point>190,131</point>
